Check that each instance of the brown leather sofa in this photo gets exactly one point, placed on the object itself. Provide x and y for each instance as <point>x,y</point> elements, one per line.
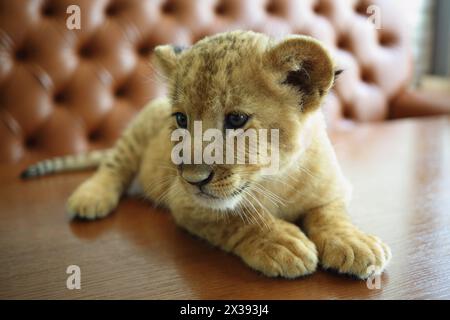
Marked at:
<point>65,91</point>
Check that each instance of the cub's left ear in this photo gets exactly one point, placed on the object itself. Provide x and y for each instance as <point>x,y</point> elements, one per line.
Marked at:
<point>166,58</point>
<point>304,64</point>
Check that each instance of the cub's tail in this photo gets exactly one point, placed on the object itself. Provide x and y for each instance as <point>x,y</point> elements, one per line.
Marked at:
<point>66,163</point>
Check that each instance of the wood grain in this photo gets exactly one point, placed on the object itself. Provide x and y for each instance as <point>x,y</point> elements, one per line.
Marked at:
<point>401,176</point>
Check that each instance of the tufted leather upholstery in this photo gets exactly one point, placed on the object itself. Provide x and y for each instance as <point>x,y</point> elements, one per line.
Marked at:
<point>64,91</point>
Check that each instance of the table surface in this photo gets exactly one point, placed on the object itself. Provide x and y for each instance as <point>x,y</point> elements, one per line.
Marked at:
<point>400,171</point>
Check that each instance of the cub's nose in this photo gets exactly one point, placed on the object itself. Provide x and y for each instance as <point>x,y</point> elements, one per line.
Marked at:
<point>197,175</point>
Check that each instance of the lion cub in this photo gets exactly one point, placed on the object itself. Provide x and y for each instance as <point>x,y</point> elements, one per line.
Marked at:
<point>244,80</point>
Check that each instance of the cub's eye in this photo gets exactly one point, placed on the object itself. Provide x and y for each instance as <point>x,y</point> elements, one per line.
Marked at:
<point>235,120</point>
<point>181,119</point>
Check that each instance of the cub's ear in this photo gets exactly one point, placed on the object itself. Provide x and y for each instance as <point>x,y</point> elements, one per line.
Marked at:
<point>166,57</point>
<point>304,64</point>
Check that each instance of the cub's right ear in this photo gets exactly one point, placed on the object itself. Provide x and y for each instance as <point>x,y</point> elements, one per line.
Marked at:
<point>166,57</point>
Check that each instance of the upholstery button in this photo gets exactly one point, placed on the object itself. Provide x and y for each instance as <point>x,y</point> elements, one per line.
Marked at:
<point>169,7</point>
<point>95,136</point>
<point>321,8</point>
<point>221,9</point>
<point>347,112</point>
<point>31,142</point>
<point>23,53</point>
<point>114,8</point>
<point>121,91</point>
<point>86,51</point>
<point>61,97</point>
<point>344,43</point>
<point>145,49</point>
<point>272,8</point>
<point>361,8</point>
<point>48,10</point>
<point>367,75</point>
<point>386,38</point>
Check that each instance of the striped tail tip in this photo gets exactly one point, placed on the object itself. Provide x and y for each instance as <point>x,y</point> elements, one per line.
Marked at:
<point>29,173</point>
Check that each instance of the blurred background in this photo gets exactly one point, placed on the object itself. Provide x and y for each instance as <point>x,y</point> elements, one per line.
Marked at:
<point>72,78</point>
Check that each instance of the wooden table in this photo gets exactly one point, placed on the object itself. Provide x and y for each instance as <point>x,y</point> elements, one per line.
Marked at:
<point>401,176</point>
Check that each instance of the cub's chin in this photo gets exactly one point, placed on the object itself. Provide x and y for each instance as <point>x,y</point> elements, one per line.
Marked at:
<point>217,203</point>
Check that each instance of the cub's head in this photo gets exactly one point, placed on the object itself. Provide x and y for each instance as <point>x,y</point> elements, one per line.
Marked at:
<point>242,80</point>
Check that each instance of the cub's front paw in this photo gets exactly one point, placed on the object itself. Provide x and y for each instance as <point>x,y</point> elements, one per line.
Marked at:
<point>350,251</point>
<point>92,200</point>
<point>282,251</point>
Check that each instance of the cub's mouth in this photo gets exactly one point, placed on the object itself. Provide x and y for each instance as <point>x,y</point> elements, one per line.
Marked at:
<point>206,195</point>
<point>229,201</point>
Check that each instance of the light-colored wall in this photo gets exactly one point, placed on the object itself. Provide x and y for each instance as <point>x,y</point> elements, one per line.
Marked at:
<point>418,16</point>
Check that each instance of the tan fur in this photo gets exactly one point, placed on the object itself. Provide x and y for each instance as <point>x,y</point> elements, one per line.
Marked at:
<point>245,72</point>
